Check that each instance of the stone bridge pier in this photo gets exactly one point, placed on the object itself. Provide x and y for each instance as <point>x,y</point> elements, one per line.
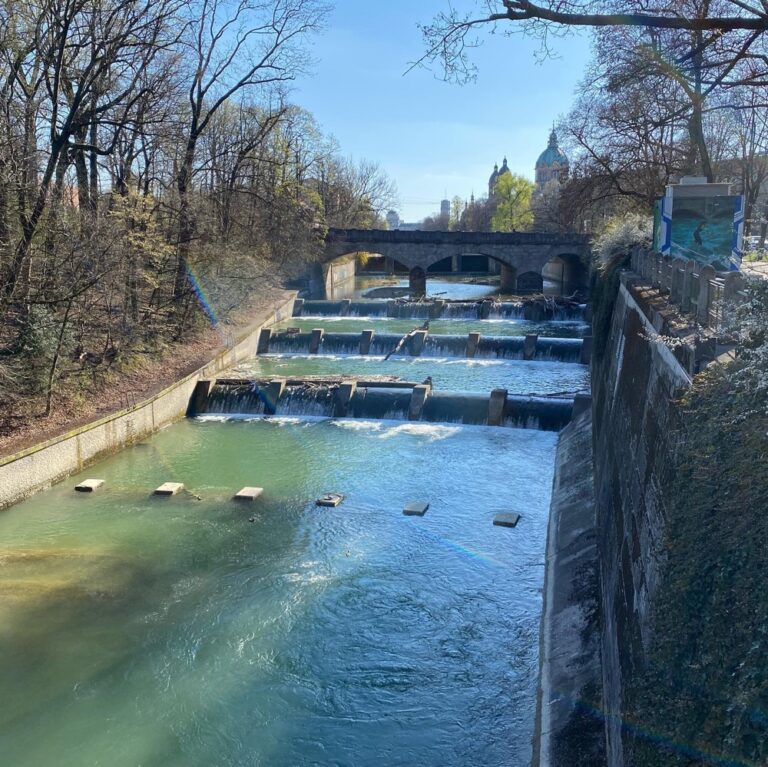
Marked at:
<point>525,259</point>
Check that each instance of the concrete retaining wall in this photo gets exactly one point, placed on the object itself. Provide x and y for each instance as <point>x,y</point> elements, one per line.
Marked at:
<point>569,734</point>
<point>633,385</point>
<point>38,467</point>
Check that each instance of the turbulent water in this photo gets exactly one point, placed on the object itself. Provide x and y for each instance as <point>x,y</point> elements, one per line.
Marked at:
<point>146,631</point>
<point>198,631</point>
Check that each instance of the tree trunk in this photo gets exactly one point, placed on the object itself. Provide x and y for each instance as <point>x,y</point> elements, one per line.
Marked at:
<point>186,224</point>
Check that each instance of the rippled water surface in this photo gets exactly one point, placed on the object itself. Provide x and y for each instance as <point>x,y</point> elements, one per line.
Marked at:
<point>181,632</point>
<point>448,373</point>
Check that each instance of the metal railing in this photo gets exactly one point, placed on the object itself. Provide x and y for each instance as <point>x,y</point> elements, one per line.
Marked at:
<point>697,289</point>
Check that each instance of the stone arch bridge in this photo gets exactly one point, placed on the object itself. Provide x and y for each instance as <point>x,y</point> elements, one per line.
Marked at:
<point>526,258</point>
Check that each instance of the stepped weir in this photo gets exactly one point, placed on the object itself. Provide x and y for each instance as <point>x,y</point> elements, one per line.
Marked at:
<point>379,399</point>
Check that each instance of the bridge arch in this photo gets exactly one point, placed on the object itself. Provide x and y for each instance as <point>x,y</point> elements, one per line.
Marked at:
<point>567,271</point>
<point>521,254</point>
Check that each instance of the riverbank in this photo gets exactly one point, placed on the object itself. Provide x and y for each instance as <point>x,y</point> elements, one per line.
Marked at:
<point>27,471</point>
<point>125,385</point>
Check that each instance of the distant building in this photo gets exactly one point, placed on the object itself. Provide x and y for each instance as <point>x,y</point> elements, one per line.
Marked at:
<point>445,207</point>
<point>552,164</point>
<point>495,176</point>
<point>393,220</point>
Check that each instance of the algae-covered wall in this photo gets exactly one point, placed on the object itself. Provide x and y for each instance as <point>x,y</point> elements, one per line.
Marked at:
<point>634,382</point>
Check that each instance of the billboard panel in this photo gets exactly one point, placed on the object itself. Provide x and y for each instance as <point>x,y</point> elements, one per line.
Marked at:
<point>706,229</point>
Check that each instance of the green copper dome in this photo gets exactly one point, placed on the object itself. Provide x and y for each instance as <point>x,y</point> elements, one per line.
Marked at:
<point>552,155</point>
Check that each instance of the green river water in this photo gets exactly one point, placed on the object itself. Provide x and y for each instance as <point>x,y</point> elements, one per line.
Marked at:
<point>137,631</point>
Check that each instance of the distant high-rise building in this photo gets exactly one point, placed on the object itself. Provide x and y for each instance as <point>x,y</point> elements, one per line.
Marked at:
<point>445,207</point>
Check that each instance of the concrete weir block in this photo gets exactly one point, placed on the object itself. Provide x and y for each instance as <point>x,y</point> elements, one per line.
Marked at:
<point>272,393</point>
<point>344,394</point>
<point>199,398</point>
<point>473,339</point>
<point>265,336</point>
<point>329,500</point>
<point>169,488</point>
<point>415,509</point>
<point>507,519</point>
<point>366,337</point>
<point>89,485</point>
<point>496,406</point>
<point>249,493</point>
<point>585,357</point>
<point>418,399</point>
<point>344,309</point>
<point>529,346</point>
<point>316,340</point>
<point>416,343</point>
<point>298,307</point>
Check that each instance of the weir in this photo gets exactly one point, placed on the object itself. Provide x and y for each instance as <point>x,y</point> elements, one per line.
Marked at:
<point>471,345</point>
<point>384,399</point>
<point>536,310</point>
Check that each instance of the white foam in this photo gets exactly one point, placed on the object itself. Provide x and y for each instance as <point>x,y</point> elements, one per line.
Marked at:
<point>359,425</point>
<point>431,431</point>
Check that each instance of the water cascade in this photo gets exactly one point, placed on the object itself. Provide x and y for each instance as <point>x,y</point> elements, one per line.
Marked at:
<point>380,344</point>
<point>374,399</point>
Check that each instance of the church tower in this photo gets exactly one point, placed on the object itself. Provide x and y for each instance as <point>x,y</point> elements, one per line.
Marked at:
<point>552,164</point>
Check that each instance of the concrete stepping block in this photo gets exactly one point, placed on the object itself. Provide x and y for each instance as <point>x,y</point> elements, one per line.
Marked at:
<point>89,485</point>
<point>507,519</point>
<point>415,509</point>
<point>330,500</point>
<point>169,488</point>
<point>249,493</point>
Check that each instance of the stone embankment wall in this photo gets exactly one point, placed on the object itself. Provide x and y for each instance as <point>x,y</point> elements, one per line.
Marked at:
<point>570,734</point>
<point>634,382</point>
<point>31,470</point>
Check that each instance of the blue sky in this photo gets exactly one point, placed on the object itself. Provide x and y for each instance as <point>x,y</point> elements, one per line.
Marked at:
<point>434,137</point>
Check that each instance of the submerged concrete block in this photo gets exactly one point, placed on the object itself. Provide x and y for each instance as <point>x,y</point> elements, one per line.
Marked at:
<point>89,485</point>
<point>249,493</point>
<point>344,394</point>
<point>365,341</point>
<point>316,340</point>
<point>473,339</point>
<point>496,405</point>
<point>418,399</point>
<point>169,488</point>
<point>298,307</point>
<point>508,519</point>
<point>529,346</point>
<point>415,509</point>
<point>416,343</point>
<point>344,309</point>
<point>329,500</point>
<point>484,309</point>
<point>265,336</point>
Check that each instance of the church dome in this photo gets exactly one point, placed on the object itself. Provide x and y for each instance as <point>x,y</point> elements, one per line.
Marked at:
<point>504,168</point>
<point>494,175</point>
<point>552,155</point>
